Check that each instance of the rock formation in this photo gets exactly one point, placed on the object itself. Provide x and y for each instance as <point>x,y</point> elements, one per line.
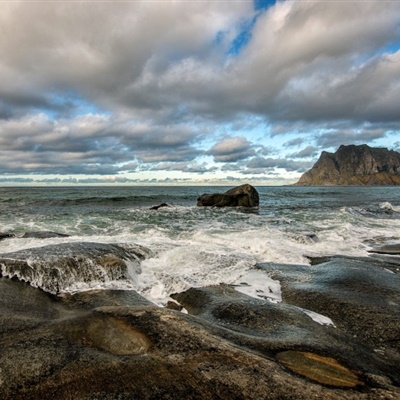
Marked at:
<point>354,165</point>
<point>114,344</point>
<point>240,196</point>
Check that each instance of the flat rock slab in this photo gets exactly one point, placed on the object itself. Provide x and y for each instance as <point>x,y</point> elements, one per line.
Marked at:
<point>43,235</point>
<point>391,249</point>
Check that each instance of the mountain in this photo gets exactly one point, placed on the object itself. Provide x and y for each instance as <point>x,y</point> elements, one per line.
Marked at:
<point>354,165</point>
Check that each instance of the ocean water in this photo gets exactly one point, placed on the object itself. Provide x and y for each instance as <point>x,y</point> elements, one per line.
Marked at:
<point>197,246</point>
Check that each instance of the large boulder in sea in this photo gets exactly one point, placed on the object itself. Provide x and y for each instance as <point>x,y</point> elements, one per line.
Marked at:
<point>239,196</point>
<point>354,165</point>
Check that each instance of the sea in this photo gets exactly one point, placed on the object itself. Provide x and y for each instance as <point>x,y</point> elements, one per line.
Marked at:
<point>194,246</point>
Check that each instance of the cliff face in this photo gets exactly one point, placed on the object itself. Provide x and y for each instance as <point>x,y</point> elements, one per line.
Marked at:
<point>354,165</point>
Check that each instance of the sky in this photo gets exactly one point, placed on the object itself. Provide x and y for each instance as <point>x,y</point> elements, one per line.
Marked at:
<point>192,91</point>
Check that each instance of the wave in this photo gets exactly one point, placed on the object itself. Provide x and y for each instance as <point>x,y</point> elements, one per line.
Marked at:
<point>388,207</point>
<point>72,266</point>
<point>80,266</point>
<point>383,210</point>
<point>100,200</point>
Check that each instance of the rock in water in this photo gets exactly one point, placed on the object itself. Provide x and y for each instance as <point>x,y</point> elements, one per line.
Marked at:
<point>354,165</point>
<point>159,206</point>
<point>6,236</point>
<point>240,196</point>
<point>43,235</point>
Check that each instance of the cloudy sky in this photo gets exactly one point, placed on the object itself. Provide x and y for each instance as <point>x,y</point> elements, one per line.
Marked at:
<point>192,91</point>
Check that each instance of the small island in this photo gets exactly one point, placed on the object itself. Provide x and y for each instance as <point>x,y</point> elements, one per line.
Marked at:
<point>354,165</point>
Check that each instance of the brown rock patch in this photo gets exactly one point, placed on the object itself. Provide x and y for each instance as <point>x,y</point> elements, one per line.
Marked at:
<point>324,370</point>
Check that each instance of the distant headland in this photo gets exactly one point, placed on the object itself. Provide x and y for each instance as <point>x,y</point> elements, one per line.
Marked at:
<point>354,165</point>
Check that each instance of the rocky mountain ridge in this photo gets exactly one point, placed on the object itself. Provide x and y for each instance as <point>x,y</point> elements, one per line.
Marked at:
<point>354,165</point>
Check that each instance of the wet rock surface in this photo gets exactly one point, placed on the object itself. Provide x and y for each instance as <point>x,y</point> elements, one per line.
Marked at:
<point>391,249</point>
<point>4,235</point>
<point>43,235</point>
<point>162,205</point>
<point>361,296</point>
<point>240,196</point>
<point>110,344</point>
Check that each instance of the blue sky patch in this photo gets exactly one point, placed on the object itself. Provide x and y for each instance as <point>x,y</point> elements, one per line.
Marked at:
<point>243,37</point>
<point>263,4</point>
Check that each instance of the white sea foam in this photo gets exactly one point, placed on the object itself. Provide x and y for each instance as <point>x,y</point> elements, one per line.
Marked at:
<point>386,206</point>
<point>210,253</point>
<point>257,283</point>
<point>79,286</point>
<point>188,265</point>
<point>389,207</point>
<point>319,318</point>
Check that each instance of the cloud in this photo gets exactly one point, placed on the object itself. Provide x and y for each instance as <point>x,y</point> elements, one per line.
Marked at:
<point>16,180</point>
<point>315,58</point>
<point>337,137</point>
<point>104,87</point>
<point>309,60</point>
<point>106,50</point>
<point>232,149</point>
<point>262,163</point>
<point>309,151</point>
<point>184,167</point>
<point>89,144</point>
<point>294,142</point>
